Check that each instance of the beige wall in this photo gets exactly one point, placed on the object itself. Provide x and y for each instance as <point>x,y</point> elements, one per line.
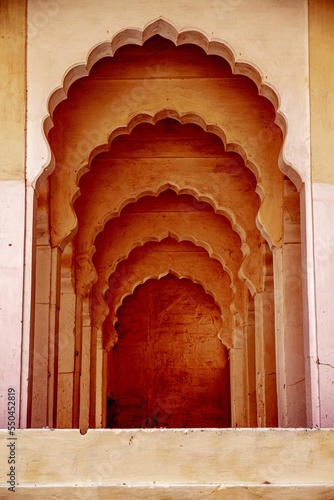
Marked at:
<point>63,37</point>
<point>322,89</point>
<point>61,34</point>
<point>13,87</point>
<point>224,464</point>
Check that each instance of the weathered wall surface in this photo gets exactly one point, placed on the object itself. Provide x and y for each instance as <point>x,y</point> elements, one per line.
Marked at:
<point>13,89</point>
<point>322,148</point>
<point>61,34</point>
<point>168,368</point>
<point>81,30</point>
<point>321,41</point>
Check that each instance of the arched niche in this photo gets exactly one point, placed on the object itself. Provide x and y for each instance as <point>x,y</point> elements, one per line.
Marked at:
<point>183,260</point>
<point>258,142</point>
<point>155,218</point>
<point>255,137</point>
<point>205,171</point>
<point>168,368</point>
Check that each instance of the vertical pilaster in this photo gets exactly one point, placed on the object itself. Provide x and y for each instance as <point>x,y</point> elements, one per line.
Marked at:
<point>98,377</point>
<point>40,344</point>
<point>289,336</point>
<point>53,336</point>
<point>66,344</point>
<point>251,367</point>
<point>77,359</point>
<point>266,394</point>
<point>45,339</point>
<point>269,343</point>
<point>259,359</point>
<point>41,298</point>
<point>238,377</point>
<point>85,375</point>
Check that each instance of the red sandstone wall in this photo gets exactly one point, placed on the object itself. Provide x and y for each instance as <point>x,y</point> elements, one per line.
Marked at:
<point>168,368</point>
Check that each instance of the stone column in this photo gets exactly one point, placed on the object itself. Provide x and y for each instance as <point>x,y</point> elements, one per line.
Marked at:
<point>251,366</point>
<point>85,375</point>
<point>289,336</point>
<point>238,377</point>
<point>66,354</point>
<point>266,395</point>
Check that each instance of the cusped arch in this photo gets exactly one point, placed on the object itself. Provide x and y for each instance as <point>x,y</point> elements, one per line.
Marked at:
<point>194,37</point>
<point>225,334</point>
<point>167,312</point>
<point>166,29</point>
<point>99,210</point>
<point>130,231</point>
<point>103,197</point>
<point>158,258</point>
<point>64,222</point>
<point>109,257</point>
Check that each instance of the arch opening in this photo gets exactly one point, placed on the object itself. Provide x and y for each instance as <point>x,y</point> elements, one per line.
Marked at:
<point>168,368</point>
<point>69,197</point>
<point>158,259</point>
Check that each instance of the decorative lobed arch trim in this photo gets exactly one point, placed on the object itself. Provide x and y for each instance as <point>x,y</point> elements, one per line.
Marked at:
<point>161,27</point>
<point>189,118</point>
<point>110,341</point>
<point>166,29</point>
<point>228,214</point>
<point>100,307</point>
<point>217,293</point>
<point>185,118</point>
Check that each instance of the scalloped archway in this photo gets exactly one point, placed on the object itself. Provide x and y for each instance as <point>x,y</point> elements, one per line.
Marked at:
<point>123,181</point>
<point>247,125</point>
<point>168,31</point>
<point>149,262</point>
<point>145,366</point>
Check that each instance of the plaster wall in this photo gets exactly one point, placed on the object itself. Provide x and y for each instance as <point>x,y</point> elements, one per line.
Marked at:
<point>62,35</point>
<point>321,43</point>
<point>12,216</point>
<point>321,90</point>
<point>13,89</point>
<point>168,368</point>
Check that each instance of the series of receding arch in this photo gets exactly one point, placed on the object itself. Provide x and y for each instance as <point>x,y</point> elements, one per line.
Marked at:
<point>156,146</point>
<point>150,263</point>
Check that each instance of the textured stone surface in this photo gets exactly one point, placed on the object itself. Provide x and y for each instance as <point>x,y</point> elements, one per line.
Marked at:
<point>157,259</point>
<point>168,368</point>
<point>173,464</point>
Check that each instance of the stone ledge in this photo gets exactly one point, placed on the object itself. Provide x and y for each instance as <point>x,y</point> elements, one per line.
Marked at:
<point>179,492</point>
<point>146,462</point>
